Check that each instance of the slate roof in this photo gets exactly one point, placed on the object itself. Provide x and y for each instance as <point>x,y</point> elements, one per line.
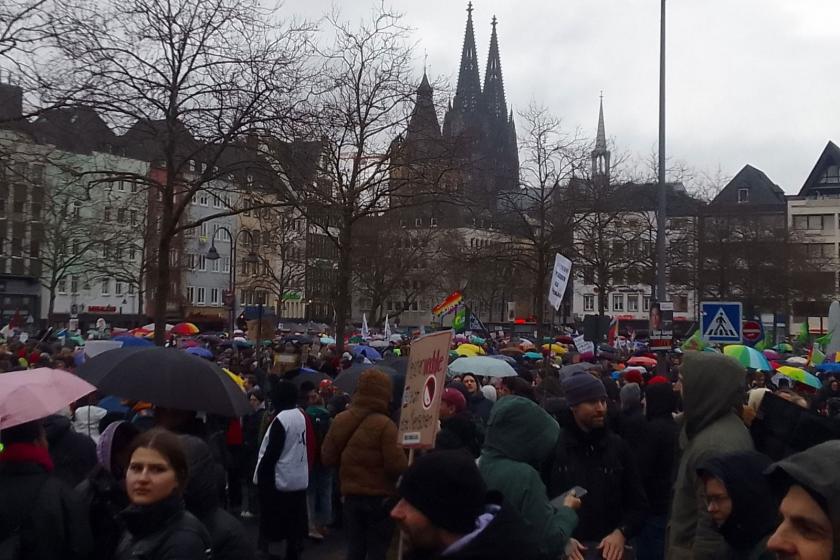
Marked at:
<point>829,156</point>
<point>763,191</point>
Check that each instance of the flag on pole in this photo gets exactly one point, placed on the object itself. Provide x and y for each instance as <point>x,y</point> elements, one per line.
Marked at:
<point>612,333</point>
<point>476,324</point>
<point>694,342</point>
<point>387,331</point>
<point>447,305</point>
<point>815,356</point>
<point>365,330</point>
<point>459,321</point>
<point>804,336</point>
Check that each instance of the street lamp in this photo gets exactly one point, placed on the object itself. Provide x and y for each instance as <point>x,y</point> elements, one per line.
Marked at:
<point>213,255</point>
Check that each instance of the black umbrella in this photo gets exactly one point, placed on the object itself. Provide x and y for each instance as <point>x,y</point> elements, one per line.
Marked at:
<point>297,339</point>
<point>348,379</point>
<point>305,374</point>
<point>400,366</point>
<point>166,377</point>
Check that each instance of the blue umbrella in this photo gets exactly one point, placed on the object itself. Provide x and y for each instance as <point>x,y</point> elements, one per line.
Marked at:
<point>129,340</point>
<point>533,356</point>
<point>366,351</point>
<point>200,352</point>
<point>829,367</point>
<point>113,404</point>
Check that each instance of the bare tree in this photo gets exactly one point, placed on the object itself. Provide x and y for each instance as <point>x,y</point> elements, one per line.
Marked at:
<point>189,79</point>
<point>23,26</point>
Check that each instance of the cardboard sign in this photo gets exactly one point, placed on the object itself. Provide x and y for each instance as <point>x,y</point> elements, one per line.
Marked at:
<point>424,380</point>
<point>584,347</point>
<point>559,279</point>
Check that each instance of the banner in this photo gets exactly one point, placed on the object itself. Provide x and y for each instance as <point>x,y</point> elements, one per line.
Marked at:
<point>661,325</point>
<point>424,384</point>
<point>365,329</point>
<point>447,305</point>
<point>559,280</point>
<point>387,330</point>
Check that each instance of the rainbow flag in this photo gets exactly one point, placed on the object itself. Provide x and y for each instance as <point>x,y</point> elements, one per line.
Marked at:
<point>447,305</point>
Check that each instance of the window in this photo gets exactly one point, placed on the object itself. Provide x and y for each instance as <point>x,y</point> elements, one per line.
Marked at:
<point>35,249</point>
<point>201,263</point>
<point>62,286</point>
<point>35,211</point>
<point>131,289</point>
<point>17,207</point>
<point>217,202</point>
<point>199,296</point>
<point>77,209</point>
<point>74,284</point>
<point>632,303</point>
<point>808,222</point>
<point>214,296</point>
<point>118,288</point>
<point>190,294</point>
<point>418,222</point>
<point>86,285</point>
<point>204,229</point>
<point>215,265</point>
<point>121,186</point>
<point>646,303</point>
<point>17,247</point>
<point>118,253</point>
<point>589,302</point>
<point>220,235</point>
<point>225,264</point>
<point>203,198</point>
<point>134,187</point>
<point>132,254</point>
<point>743,195</point>
<point>121,214</point>
<point>132,217</point>
<point>2,205</point>
<point>107,215</point>
<point>618,302</point>
<point>106,287</point>
<point>433,222</point>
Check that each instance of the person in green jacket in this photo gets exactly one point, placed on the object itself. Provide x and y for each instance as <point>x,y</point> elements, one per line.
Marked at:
<point>712,390</point>
<point>520,437</point>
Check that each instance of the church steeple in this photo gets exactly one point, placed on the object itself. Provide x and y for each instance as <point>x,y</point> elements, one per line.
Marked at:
<point>468,92</point>
<point>494,89</point>
<point>423,124</point>
<point>601,154</point>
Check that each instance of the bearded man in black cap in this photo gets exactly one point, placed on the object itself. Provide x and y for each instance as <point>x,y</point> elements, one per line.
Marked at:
<point>445,512</point>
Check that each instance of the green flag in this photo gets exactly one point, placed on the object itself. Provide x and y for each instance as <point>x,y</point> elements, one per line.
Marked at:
<point>816,357</point>
<point>694,342</point>
<point>804,336</point>
<point>766,342</point>
<point>460,319</point>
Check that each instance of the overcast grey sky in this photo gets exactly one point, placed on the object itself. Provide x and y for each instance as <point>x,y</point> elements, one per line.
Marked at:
<point>749,81</point>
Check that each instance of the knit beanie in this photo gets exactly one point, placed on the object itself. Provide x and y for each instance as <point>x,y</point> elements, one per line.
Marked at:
<point>582,387</point>
<point>631,396</point>
<point>447,488</point>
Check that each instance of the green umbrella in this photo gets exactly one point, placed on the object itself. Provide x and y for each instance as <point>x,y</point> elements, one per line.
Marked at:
<point>800,375</point>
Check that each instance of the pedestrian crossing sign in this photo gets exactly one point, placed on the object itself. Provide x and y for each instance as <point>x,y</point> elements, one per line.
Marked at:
<point>721,321</point>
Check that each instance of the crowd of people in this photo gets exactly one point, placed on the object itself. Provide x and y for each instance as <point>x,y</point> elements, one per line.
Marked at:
<point>584,458</point>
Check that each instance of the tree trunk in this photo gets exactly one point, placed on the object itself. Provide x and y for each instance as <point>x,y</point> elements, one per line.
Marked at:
<point>163,271</point>
<point>539,296</point>
<point>342,293</point>
<point>51,307</point>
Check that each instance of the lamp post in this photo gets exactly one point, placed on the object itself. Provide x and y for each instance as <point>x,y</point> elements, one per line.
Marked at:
<point>213,255</point>
<point>661,206</point>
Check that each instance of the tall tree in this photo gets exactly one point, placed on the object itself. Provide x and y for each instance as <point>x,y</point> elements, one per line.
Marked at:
<point>189,79</point>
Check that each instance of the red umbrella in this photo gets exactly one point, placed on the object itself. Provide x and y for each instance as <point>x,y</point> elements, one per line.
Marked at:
<point>641,361</point>
<point>185,329</point>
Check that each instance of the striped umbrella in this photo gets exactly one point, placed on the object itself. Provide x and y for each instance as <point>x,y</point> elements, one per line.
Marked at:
<point>749,357</point>
<point>800,375</point>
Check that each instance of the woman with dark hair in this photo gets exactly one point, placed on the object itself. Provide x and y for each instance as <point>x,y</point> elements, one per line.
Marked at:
<point>282,474</point>
<point>158,527</point>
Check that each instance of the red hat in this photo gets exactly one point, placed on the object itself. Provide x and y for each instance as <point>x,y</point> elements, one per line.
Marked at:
<point>656,380</point>
<point>634,376</point>
<point>455,398</point>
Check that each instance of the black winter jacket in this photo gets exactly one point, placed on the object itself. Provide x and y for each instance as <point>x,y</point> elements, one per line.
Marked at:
<point>48,516</point>
<point>74,454</point>
<point>601,463</point>
<point>658,452</point>
<point>163,531</point>
<point>460,431</point>
<point>104,498</point>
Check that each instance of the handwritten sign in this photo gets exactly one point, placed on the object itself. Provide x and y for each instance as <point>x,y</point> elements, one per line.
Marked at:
<point>559,280</point>
<point>424,382</point>
<point>585,348</point>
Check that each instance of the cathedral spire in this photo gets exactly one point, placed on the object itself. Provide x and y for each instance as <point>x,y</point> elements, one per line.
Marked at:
<point>601,154</point>
<point>423,126</point>
<point>468,92</point>
<point>494,89</point>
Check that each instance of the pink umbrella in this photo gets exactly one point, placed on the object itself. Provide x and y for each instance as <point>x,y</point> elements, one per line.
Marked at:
<point>33,394</point>
<point>772,355</point>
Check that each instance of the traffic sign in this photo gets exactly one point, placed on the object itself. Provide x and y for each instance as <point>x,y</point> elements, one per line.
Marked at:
<point>752,332</point>
<point>721,321</point>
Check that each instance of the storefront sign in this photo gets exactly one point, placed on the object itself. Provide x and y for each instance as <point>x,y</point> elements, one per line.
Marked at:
<point>101,309</point>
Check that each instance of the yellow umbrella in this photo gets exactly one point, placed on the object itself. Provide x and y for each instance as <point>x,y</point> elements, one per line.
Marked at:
<point>555,347</point>
<point>236,379</point>
<point>477,350</point>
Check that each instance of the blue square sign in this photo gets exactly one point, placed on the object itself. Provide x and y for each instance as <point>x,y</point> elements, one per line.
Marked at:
<point>721,321</point>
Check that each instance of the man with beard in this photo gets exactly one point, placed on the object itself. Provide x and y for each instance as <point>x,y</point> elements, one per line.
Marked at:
<point>590,456</point>
<point>445,512</point>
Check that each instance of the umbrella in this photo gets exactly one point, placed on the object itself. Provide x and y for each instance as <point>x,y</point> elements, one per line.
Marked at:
<point>511,351</point>
<point>533,356</point>
<point>355,339</point>
<point>396,338</point>
<point>30,395</point>
<point>379,344</point>
<point>130,340</point>
<point>366,352</point>
<point>140,331</point>
<point>800,376</point>
<point>200,352</point>
<point>166,377</point>
<point>749,357</point>
<point>829,367</point>
<point>570,370</point>
<point>185,329</point>
<point>236,379</point>
<point>113,404</point>
<point>297,339</point>
<point>556,348</point>
<point>641,361</point>
<point>525,344</point>
<point>327,340</point>
<point>507,359</point>
<point>348,379</point>
<point>306,374</point>
<point>783,347</point>
<point>771,354</point>
<point>482,365</point>
<point>472,348</point>
<point>466,350</point>
<point>150,328</point>
<point>797,361</point>
<point>242,342</point>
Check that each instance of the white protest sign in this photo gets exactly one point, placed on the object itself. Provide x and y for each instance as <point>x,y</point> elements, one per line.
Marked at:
<point>584,347</point>
<point>559,280</point>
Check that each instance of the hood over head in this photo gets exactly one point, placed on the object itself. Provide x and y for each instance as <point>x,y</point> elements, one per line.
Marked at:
<point>86,421</point>
<point>631,397</point>
<point>660,401</point>
<point>713,385</point>
<point>116,437</point>
<point>815,469</point>
<point>521,430</point>
<point>206,477</point>
<point>754,506</point>
<point>374,391</point>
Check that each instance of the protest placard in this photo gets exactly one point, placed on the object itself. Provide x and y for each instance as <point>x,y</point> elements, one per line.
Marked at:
<point>424,383</point>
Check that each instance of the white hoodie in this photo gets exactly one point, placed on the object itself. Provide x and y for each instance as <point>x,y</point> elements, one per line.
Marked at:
<point>86,421</point>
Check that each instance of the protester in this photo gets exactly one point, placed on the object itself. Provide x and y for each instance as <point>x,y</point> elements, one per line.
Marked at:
<point>445,512</point>
<point>103,492</point>
<point>282,474</point>
<point>458,427</point>
<point>631,423</point>
<point>73,454</point>
<point>516,386</point>
<point>657,463</point>
<point>712,390</point>
<point>740,502</point>
<point>809,485</point>
<point>157,525</point>
<point>319,493</point>
<point>520,438</point>
<point>40,516</point>
<point>251,426</point>
<point>362,442</point>
<point>589,455</point>
<point>479,405</point>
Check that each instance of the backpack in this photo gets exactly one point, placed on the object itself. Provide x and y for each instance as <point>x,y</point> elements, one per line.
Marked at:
<point>321,420</point>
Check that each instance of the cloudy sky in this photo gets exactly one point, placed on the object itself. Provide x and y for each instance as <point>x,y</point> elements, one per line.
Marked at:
<point>748,81</point>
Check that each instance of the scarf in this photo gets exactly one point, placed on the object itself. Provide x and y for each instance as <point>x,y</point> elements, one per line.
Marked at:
<point>27,453</point>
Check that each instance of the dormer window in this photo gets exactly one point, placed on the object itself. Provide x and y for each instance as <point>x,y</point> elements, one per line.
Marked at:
<point>743,195</point>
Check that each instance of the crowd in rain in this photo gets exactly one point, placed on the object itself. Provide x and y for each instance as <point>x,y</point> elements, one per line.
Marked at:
<point>543,452</point>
